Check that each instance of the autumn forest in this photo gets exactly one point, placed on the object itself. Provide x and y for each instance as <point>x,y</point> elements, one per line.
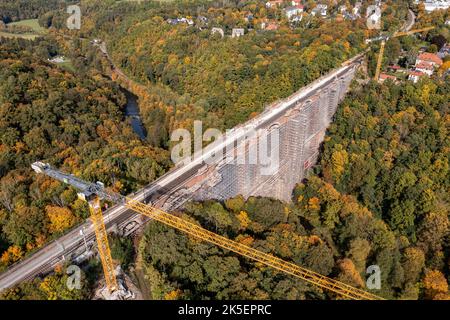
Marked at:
<point>379,194</point>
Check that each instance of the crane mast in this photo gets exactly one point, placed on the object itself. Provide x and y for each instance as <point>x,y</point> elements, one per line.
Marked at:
<point>103,245</point>
<point>97,190</point>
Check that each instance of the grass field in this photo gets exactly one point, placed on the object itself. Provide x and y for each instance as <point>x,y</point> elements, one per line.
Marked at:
<point>32,23</point>
<point>23,36</point>
<point>67,65</point>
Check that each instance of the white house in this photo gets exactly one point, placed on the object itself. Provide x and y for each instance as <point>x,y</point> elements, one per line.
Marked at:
<point>445,51</point>
<point>425,67</point>
<point>293,11</point>
<point>415,76</point>
<point>320,9</point>
<point>237,32</point>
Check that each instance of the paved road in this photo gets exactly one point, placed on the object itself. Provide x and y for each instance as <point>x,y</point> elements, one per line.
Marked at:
<point>72,245</point>
<point>411,20</point>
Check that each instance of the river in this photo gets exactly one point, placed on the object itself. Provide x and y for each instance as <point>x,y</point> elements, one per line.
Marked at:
<point>132,112</point>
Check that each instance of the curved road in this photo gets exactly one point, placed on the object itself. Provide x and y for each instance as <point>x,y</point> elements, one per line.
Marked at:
<point>411,21</point>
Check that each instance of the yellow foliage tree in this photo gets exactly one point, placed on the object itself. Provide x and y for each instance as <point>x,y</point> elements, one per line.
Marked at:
<point>435,285</point>
<point>339,159</point>
<point>349,274</point>
<point>314,203</point>
<point>173,295</point>
<point>444,67</point>
<point>60,218</point>
<point>244,220</point>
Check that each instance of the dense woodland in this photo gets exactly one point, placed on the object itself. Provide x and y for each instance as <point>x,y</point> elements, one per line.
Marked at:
<point>75,123</point>
<point>15,10</point>
<point>380,196</point>
<point>183,73</point>
<point>52,287</point>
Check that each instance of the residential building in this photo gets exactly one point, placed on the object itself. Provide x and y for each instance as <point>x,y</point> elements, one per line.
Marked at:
<point>274,3</point>
<point>272,27</point>
<point>425,67</point>
<point>237,32</point>
<point>384,77</point>
<point>320,10</point>
<point>415,76</point>
<point>293,11</point>
<point>394,68</point>
<point>429,57</point>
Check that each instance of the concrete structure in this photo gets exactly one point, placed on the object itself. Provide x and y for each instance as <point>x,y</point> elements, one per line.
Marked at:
<point>342,9</point>
<point>431,58</point>
<point>176,21</point>
<point>301,131</point>
<point>271,26</point>
<point>374,16</point>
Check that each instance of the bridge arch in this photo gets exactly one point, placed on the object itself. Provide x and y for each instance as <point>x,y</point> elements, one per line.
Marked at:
<point>274,126</point>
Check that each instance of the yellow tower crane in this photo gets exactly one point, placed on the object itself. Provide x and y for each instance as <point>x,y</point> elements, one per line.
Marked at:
<point>384,39</point>
<point>92,192</point>
<point>103,244</point>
